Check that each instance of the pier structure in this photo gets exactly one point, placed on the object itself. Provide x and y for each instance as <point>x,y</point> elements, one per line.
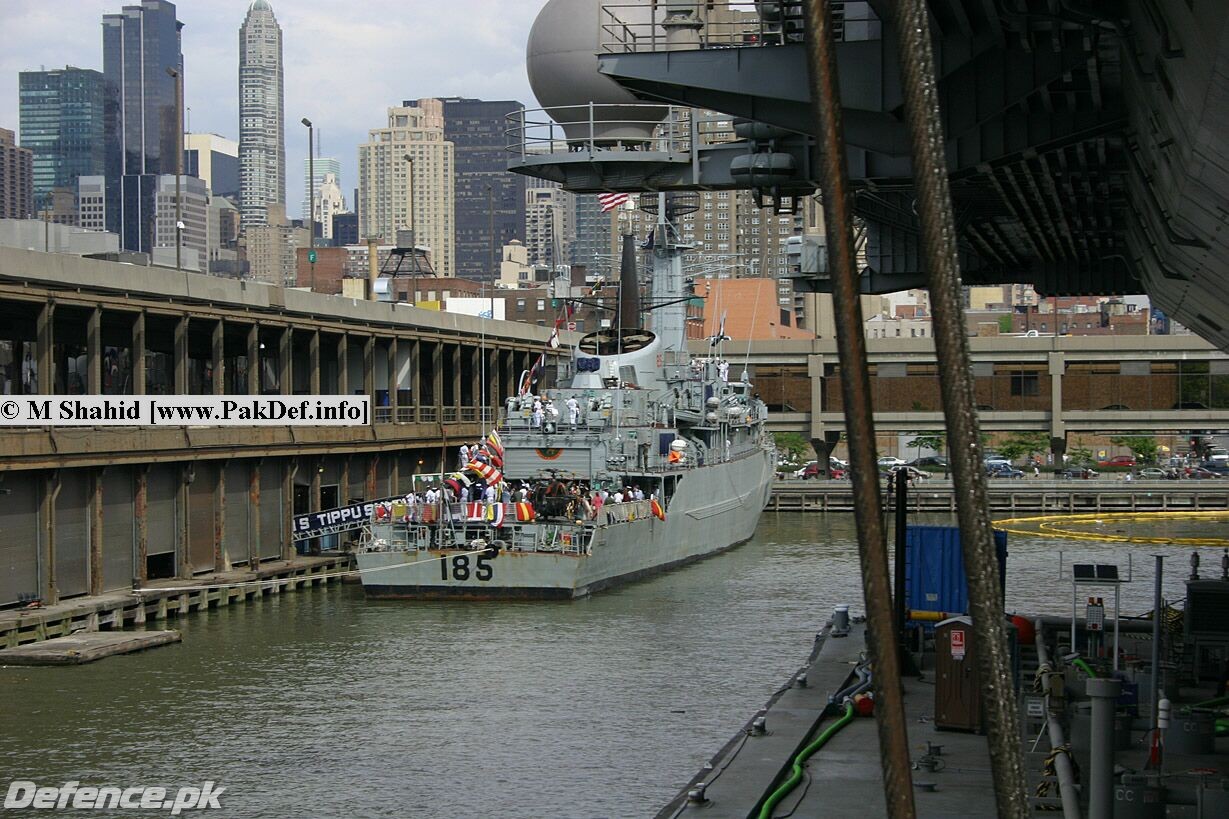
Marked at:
<point>88,511</point>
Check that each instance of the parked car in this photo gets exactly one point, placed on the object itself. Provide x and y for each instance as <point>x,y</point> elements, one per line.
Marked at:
<point>1219,467</point>
<point>930,460</point>
<point>1004,471</point>
<point>1198,473</point>
<point>996,463</point>
<point>889,461</point>
<point>913,472</point>
<point>802,473</point>
<point>1118,460</point>
<point>1152,473</point>
<point>1077,472</point>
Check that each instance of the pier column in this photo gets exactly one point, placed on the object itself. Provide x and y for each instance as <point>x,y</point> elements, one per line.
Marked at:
<point>437,378</point>
<point>221,560</point>
<point>290,471</point>
<point>217,352</point>
<point>313,362</point>
<point>138,354</point>
<point>369,370</point>
<point>454,359</point>
<point>372,463</point>
<point>254,526</point>
<point>44,358</point>
<point>253,357</point>
<point>95,507</point>
<point>343,364</point>
<point>415,364</point>
<point>1058,426</point>
<point>394,380</point>
<point>285,340</point>
<point>815,429</point>
<point>181,356</point>
<point>93,355</point>
<point>140,511</point>
<point>46,511</point>
<point>183,561</point>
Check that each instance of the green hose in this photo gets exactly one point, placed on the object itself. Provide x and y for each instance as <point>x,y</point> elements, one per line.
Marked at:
<point>1222,728</point>
<point>796,774</point>
<point>1085,667</point>
<point>1212,703</point>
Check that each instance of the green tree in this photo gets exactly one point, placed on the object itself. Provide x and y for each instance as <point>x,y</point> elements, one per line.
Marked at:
<point>1080,455</point>
<point>1143,447</point>
<point>791,443</point>
<point>936,441</point>
<point>1023,443</point>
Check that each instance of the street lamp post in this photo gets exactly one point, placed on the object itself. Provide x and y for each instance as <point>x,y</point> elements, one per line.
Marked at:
<point>178,77</point>
<point>311,183</point>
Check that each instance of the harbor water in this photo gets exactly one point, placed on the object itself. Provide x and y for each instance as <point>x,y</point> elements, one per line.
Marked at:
<point>320,703</point>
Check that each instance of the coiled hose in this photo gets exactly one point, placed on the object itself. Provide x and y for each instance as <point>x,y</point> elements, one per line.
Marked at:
<point>796,774</point>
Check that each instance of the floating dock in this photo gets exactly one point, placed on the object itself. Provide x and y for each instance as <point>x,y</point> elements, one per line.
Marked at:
<point>85,647</point>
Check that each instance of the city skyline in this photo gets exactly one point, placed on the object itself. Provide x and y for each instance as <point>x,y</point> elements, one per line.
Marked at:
<point>372,49</point>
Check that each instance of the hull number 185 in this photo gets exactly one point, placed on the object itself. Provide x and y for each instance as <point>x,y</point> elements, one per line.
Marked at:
<point>459,569</point>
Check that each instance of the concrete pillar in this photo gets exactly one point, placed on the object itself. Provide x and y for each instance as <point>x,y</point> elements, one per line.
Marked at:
<point>186,475</point>
<point>217,352</point>
<point>1104,693</point>
<point>44,358</point>
<point>221,560</point>
<point>289,473</point>
<point>437,376</point>
<point>93,354</point>
<point>285,340</point>
<point>372,463</point>
<point>253,357</point>
<point>415,363</point>
<point>815,429</point>
<point>181,356</point>
<point>1057,366</point>
<point>343,364</point>
<point>254,513</point>
<point>138,354</point>
<point>369,370</point>
<point>454,364</point>
<point>313,362</point>
<point>393,380</point>
<point>140,510</point>
<point>96,480</point>
<point>46,510</point>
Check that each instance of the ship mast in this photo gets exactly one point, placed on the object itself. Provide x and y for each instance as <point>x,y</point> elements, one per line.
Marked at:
<point>666,293</point>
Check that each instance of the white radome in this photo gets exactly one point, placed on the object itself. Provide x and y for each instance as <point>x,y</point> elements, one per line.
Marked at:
<point>561,57</point>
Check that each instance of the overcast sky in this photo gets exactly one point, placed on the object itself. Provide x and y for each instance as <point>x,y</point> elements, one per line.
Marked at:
<point>345,62</point>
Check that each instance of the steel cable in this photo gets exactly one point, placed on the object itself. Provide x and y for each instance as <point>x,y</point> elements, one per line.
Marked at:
<point>856,389</point>
<point>934,207</point>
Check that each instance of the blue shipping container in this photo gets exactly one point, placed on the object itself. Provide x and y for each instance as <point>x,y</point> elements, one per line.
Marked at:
<point>934,568</point>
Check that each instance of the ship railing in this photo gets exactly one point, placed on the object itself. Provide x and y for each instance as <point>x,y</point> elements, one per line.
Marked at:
<point>676,25</point>
<point>671,130</point>
<point>625,512</point>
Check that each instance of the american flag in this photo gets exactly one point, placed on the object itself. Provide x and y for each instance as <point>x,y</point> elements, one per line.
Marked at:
<point>610,201</point>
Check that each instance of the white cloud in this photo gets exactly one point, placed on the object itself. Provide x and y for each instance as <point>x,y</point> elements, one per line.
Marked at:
<point>345,62</point>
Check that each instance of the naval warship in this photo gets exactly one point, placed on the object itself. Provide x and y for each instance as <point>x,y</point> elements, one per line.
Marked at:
<point>646,414</point>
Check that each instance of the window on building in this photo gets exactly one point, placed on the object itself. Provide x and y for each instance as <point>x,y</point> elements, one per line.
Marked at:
<point>520,305</point>
<point>1024,384</point>
<point>541,305</point>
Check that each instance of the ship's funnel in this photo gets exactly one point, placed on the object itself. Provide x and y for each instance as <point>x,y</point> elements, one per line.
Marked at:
<point>629,287</point>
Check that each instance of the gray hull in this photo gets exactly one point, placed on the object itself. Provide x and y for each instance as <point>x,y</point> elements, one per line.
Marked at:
<point>714,508</point>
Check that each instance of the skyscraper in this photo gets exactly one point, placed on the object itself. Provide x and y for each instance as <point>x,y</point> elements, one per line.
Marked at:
<point>477,130</point>
<point>396,193</point>
<point>215,160</point>
<point>591,241</point>
<point>324,166</point>
<point>140,50</point>
<point>63,121</point>
<point>262,132</point>
<point>16,179</point>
